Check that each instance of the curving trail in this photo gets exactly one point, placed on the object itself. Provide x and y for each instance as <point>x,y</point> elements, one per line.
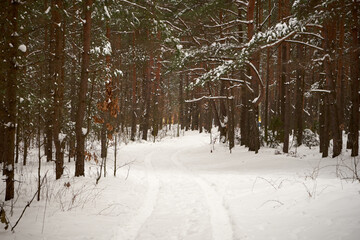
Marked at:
<point>220,220</point>
<point>179,204</point>
<point>132,228</point>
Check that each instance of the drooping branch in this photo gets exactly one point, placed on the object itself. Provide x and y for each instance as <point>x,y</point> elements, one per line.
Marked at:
<point>257,100</point>
<point>306,44</point>
<point>207,97</point>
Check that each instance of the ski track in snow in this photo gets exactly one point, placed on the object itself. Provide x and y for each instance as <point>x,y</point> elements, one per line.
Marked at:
<point>220,221</point>
<point>179,204</point>
<point>132,229</point>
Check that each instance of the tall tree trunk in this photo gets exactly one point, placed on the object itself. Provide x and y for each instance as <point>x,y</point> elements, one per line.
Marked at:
<point>50,50</point>
<point>156,97</point>
<point>80,136</point>
<point>223,111</point>
<point>243,93</point>
<point>329,32</point>
<point>74,79</point>
<point>285,76</point>
<point>298,126</point>
<point>326,137</point>
<point>133,101</point>
<point>254,140</point>
<point>354,69</point>
<point>11,85</point>
<point>181,102</point>
<point>231,121</point>
<point>17,141</point>
<point>146,93</point>
<point>26,146</point>
<point>59,87</point>
<point>266,108</point>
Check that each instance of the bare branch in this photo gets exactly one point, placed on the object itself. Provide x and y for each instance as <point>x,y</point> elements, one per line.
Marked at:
<point>257,100</point>
<point>206,97</point>
<point>306,44</point>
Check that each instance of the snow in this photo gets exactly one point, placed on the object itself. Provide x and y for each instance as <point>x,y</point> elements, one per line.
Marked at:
<point>9,167</point>
<point>107,49</point>
<point>61,136</point>
<point>47,10</point>
<point>178,189</point>
<point>8,124</point>
<point>107,12</point>
<point>22,48</point>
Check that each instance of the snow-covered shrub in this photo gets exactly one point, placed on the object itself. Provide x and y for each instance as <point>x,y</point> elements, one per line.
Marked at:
<point>310,139</point>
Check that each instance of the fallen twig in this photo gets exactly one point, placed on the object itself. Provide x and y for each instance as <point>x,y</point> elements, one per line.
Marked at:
<point>28,204</point>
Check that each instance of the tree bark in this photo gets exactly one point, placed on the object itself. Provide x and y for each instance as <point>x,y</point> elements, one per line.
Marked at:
<point>254,140</point>
<point>50,49</point>
<point>329,33</point>
<point>354,69</point>
<point>298,126</point>
<point>11,86</point>
<point>58,80</point>
<point>146,95</point>
<point>80,136</point>
<point>133,105</point>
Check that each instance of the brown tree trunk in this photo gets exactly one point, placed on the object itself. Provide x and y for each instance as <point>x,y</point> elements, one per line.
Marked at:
<point>329,32</point>
<point>354,69</point>
<point>223,111</point>
<point>254,140</point>
<point>74,79</point>
<point>11,85</point>
<point>298,126</point>
<point>49,48</point>
<point>231,121</point>
<point>80,136</point>
<point>243,93</point>
<point>285,76</point>
<point>146,95</point>
<point>17,141</point>
<point>181,102</point>
<point>156,96</point>
<point>326,134</point>
<point>268,79</point>
<point>133,105</point>
<point>25,153</point>
<point>58,80</point>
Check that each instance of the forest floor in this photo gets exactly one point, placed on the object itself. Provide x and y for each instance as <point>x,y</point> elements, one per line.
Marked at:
<point>186,188</point>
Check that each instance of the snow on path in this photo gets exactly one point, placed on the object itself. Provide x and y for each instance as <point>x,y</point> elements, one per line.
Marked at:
<point>180,212</point>
<point>178,190</point>
<point>132,229</point>
<point>220,220</point>
<point>179,204</point>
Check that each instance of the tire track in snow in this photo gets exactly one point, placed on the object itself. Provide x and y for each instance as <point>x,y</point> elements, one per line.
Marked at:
<point>220,221</point>
<point>131,230</point>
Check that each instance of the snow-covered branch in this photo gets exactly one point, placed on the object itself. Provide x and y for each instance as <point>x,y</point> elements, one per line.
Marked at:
<point>306,44</point>
<point>206,97</point>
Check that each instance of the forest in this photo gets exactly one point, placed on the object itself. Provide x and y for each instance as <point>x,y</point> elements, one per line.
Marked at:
<point>264,73</point>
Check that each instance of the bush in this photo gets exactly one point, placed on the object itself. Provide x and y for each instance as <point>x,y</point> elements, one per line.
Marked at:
<point>310,139</point>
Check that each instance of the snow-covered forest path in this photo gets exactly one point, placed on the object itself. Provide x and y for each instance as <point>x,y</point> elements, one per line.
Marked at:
<point>191,193</point>
<point>179,204</point>
<point>178,189</point>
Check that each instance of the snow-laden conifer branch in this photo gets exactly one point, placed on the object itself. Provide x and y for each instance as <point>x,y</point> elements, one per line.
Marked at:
<point>261,40</point>
<point>242,2</point>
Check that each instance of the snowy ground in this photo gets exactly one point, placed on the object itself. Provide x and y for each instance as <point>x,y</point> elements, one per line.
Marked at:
<point>178,189</point>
